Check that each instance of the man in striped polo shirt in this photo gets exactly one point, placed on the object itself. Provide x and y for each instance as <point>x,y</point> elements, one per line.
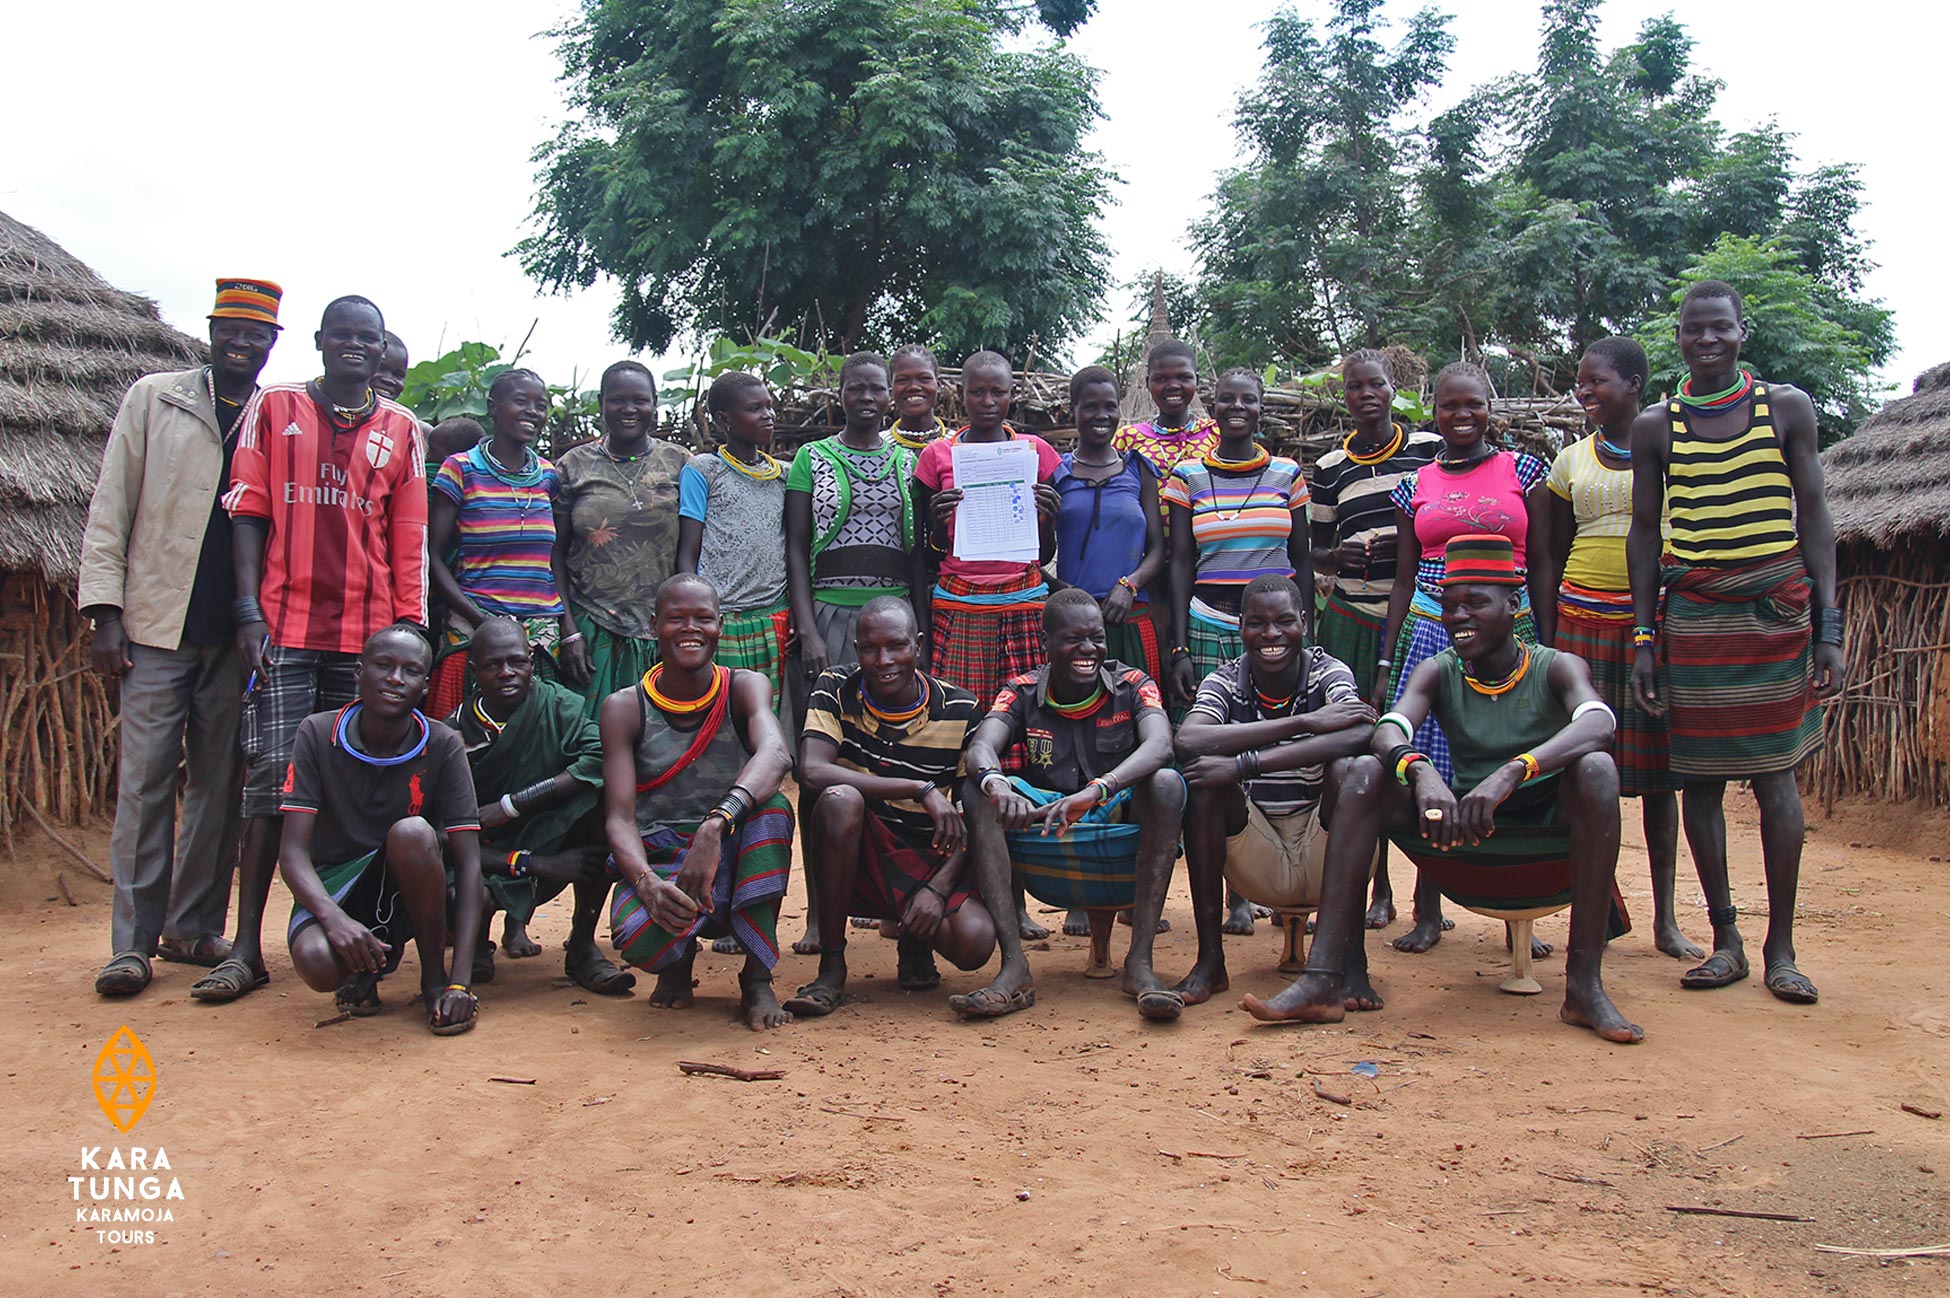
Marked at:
<point>1750,638</point>
<point>879,763</point>
<point>328,501</point>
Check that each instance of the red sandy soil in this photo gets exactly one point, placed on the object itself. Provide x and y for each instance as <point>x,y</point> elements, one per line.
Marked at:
<point>1068,1149</point>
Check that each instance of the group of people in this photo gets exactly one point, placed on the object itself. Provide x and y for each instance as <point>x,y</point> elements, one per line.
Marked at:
<point>453,677</point>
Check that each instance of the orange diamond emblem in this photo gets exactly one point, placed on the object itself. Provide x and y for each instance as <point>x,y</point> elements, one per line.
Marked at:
<point>125,1079</point>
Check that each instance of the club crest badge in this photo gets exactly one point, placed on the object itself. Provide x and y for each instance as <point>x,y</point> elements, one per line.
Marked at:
<point>125,1079</point>
<point>379,449</point>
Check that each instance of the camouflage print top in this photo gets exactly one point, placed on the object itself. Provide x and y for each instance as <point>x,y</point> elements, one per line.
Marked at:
<point>621,521</point>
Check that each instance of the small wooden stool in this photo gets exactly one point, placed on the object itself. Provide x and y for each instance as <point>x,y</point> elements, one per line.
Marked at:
<point>1520,982</point>
<point>1293,925</point>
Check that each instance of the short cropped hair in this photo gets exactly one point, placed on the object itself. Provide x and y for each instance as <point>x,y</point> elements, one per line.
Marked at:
<point>1167,348</point>
<point>1068,597</point>
<point>1370,356</point>
<point>677,579</point>
<point>1712,288</point>
<point>1088,375</point>
<point>728,388</point>
<point>1273,583</point>
<point>1456,371</point>
<point>1626,358</point>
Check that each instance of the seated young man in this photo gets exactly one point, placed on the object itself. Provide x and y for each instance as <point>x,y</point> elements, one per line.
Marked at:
<point>537,762</point>
<point>879,765</point>
<point>1258,746</point>
<point>692,759</point>
<point>371,793</point>
<point>1530,739</point>
<point>1092,824</point>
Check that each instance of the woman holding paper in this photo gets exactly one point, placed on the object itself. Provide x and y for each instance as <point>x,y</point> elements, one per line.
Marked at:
<point>985,620</point>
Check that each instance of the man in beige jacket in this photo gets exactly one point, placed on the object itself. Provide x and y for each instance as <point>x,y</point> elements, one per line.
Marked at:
<point>156,578</point>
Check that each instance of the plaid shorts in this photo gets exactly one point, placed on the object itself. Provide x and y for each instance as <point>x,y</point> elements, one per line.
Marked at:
<point>293,684</point>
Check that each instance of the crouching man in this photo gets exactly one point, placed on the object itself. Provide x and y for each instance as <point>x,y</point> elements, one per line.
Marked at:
<point>372,793</point>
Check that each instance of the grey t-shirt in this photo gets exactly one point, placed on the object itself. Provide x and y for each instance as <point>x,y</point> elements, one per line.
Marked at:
<point>743,553</point>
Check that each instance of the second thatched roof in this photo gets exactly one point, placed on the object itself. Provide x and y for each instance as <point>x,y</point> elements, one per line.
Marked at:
<point>1891,480</point>
<point>70,346</point>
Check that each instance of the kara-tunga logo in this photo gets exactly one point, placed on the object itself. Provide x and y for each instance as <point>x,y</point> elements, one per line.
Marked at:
<point>124,1193</point>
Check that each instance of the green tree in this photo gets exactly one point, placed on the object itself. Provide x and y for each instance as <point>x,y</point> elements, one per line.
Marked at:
<point>1800,330</point>
<point>857,171</point>
<point>1306,252</point>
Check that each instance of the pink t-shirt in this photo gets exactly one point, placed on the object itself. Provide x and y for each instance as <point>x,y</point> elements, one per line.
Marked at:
<point>1486,498</point>
<point>935,470</point>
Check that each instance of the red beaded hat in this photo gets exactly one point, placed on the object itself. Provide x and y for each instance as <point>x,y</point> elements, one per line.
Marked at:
<point>248,299</point>
<point>1480,561</point>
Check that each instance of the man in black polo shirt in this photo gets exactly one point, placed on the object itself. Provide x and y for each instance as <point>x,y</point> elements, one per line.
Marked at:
<point>1092,824</point>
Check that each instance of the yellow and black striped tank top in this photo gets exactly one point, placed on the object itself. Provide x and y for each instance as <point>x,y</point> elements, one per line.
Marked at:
<point>1730,501</point>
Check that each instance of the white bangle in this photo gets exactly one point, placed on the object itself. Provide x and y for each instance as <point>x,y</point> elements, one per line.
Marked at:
<point>1597,705</point>
<point>569,639</point>
<point>508,806</point>
<point>992,775</point>
<point>1398,721</point>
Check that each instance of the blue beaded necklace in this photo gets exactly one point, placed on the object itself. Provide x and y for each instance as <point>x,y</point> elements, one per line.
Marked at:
<point>341,736</point>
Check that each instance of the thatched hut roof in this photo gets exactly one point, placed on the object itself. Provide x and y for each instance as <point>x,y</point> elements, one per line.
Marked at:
<point>70,346</point>
<point>1891,480</point>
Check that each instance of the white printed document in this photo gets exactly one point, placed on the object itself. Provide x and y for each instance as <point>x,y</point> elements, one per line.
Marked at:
<point>996,518</point>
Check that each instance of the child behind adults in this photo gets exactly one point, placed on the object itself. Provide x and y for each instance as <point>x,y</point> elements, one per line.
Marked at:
<point>372,793</point>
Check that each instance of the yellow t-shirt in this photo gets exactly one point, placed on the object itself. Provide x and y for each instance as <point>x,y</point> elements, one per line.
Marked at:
<point>1601,501</point>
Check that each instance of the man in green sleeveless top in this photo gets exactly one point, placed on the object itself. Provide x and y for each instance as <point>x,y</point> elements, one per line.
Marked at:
<point>1531,822</point>
<point>1750,638</point>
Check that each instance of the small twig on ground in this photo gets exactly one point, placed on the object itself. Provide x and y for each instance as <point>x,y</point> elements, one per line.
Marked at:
<point>1735,1212</point>
<point>1723,1144</point>
<point>336,1018</point>
<point>692,1068</point>
<point>513,1081</point>
<point>1834,1135</point>
<point>855,1113</point>
<point>1922,1112</point>
<point>1575,1179</point>
<point>1925,1250</point>
<point>63,843</point>
<point>67,893</point>
<point>1332,1097</point>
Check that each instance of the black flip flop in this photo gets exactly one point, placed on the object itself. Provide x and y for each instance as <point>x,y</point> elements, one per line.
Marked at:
<point>1790,984</point>
<point>229,981</point>
<point>815,1001</point>
<point>1721,969</point>
<point>601,976</point>
<point>1160,1005</point>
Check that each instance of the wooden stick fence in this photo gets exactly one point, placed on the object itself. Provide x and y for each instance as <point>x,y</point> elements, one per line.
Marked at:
<point>58,740</point>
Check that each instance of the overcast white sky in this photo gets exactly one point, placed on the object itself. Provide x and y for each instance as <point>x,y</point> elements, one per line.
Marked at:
<point>166,145</point>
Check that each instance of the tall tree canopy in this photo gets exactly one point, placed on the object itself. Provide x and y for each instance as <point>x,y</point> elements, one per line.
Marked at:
<point>1541,213</point>
<point>873,171</point>
<point>1304,252</point>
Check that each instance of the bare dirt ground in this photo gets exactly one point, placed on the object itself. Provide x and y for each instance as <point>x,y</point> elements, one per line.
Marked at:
<point>1069,1149</point>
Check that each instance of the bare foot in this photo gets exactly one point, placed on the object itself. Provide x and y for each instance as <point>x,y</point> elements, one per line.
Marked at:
<point>1589,1007</point>
<point>1670,940</point>
<point>674,989</point>
<point>1359,992</point>
<point>1381,912</point>
<point>760,1007</point>
<point>1239,918</point>
<point>1030,930</point>
<point>1203,983</point>
<point>863,921</point>
<point>1076,923</point>
<point>1310,998</point>
<point>807,945</point>
<point>1422,937</point>
<point>515,942</point>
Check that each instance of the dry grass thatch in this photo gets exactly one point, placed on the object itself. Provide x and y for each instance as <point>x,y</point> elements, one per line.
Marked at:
<point>70,346</point>
<point>1891,480</point>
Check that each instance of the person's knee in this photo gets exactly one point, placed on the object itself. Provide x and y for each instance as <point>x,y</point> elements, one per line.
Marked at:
<point>968,937</point>
<point>1595,775</point>
<point>413,847</point>
<point>1357,781</point>
<point>1163,792</point>
<point>839,812</point>
<point>312,957</point>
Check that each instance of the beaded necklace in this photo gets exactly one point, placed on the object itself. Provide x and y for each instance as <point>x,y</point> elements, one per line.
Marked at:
<point>1260,460</point>
<point>210,386</point>
<point>1272,707</point>
<point>676,708</point>
<point>1375,457</point>
<point>528,475</point>
<point>349,415</point>
<point>614,458</point>
<point>1079,710</point>
<point>888,717</point>
<point>341,735</point>
<point>767,468</point>
<point>1612,448</point>
<point>1504,686</point>
<point>914,441</point>
<point>1717,402</point>
<point>488,724</point>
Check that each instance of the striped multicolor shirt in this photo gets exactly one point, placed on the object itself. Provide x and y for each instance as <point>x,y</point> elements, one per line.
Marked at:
<point>505,534</point>
<point>927,748</point>
<point>1730,501</point>
<point>1241,522</point>
<point>346,552</point>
